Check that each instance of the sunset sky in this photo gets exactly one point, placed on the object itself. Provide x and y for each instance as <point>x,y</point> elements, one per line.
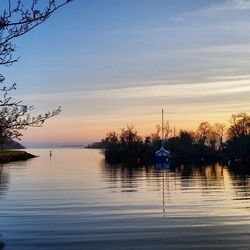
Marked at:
<point>111,63</point>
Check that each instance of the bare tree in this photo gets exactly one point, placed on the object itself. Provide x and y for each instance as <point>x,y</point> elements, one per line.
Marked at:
<point>203,132</point>
<point>240,125</point>
<point>219,130</point>
<point>111,137</point>
<point>16,116</point>
<point>16,19</point>
<point>167,131</point>
<point>156,136</point>
<point>129,135</point>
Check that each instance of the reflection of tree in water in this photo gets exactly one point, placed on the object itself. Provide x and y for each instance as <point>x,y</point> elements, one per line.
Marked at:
<point>208,171</point>
<point>125,176</point>
<point>128,172</point>
<point>241,180</point>
<point>213,175</point>
<point>4,179</point>
<point>201,175</point>
<point>204,175</point>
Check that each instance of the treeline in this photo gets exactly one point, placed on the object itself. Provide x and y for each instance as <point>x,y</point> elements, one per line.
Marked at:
<point>210,142</point>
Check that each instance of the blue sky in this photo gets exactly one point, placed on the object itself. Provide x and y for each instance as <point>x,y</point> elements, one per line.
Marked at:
<point>112,63</point>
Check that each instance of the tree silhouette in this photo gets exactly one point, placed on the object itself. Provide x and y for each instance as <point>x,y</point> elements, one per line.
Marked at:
<point>238,145</point>
<point>240,125</point>
<point>16,116</point>
<point>203,133</point>
<point>219,131</point>
<point>206,144</point>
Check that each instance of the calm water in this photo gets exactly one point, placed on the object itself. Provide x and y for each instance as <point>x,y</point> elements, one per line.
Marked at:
<point>76,201</point>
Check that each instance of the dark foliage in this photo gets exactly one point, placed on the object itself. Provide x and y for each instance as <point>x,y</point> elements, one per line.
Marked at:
<point>207,144</point>
<point>238,147</point>
<point>127,146</point>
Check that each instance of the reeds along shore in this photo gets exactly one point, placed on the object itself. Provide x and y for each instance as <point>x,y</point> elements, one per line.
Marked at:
<point>207,143</point>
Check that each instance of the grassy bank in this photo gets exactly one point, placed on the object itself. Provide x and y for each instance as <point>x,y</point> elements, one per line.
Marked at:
<point>9,156</point>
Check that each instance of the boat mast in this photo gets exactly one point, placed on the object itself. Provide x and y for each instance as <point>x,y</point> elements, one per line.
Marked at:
<point>162,127</point>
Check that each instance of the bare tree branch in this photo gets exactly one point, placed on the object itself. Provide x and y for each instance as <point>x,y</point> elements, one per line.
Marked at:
<point>15,116</point>
<point>18,19</point>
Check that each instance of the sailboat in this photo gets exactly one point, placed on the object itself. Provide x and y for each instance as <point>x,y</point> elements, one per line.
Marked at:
<point>162,155</point>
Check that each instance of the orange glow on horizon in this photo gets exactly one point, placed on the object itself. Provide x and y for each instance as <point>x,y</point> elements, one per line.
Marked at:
<point>75,129</point>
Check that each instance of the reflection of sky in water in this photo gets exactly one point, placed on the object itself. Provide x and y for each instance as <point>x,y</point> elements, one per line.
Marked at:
<point>77,201</point>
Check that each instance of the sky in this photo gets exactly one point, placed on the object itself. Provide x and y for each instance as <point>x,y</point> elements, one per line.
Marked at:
<point>112,63</point>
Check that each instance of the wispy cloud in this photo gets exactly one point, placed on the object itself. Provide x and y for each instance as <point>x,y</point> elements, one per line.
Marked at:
<point>217,86</point>
<point>228,6</point>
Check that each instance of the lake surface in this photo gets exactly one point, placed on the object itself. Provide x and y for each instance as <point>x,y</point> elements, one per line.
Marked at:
<point>74,200</point>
